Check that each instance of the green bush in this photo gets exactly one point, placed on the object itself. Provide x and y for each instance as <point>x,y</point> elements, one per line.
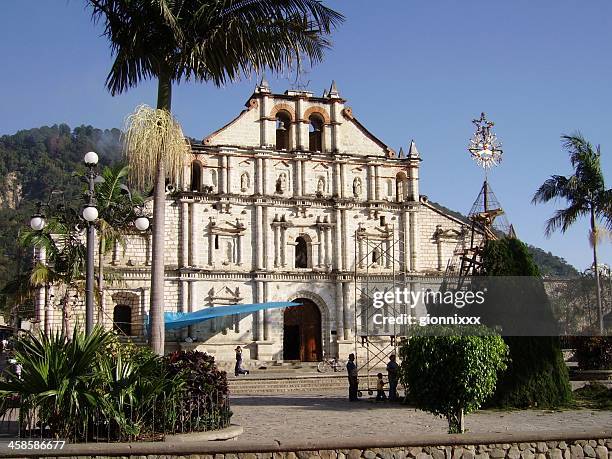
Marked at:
<point>537,374</point>
<point>203,403</point>
<point>88,388</point>
<point>450,375</point>
<point>593,352</point>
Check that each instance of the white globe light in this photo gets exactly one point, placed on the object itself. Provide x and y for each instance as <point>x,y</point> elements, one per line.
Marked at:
<point>91,158</point>
<point>37,223</point>
<point>142,223</point>
<point>90,213</point>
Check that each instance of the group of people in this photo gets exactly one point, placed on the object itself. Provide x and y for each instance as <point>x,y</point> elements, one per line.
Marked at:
<point>392,374</point>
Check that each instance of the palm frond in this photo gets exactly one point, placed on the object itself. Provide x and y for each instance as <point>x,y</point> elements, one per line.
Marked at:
<point>564,218</point>
<point>153,136</point>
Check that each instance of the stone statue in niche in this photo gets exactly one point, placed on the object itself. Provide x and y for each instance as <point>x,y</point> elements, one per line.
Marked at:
<point>357,187</point>
<point>281,183</point>
<point>321,185</point>
<point>244,182</point>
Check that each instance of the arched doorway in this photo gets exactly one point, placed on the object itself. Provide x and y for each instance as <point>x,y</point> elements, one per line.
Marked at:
<point>122,319</point>
<point>302,332</point>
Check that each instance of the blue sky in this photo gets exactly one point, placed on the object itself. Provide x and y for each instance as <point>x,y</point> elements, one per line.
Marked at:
<point>410,70</point>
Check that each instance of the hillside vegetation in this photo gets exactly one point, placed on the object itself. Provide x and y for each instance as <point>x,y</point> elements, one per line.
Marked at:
<point>35,162</point>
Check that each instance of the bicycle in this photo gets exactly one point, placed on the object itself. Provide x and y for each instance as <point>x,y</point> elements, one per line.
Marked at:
<point>330,364</point>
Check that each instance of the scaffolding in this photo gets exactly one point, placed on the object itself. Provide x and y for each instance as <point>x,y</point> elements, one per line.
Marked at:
<point>377,271</point>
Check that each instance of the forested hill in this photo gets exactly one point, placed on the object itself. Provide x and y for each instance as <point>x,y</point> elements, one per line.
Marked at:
<point>35,162</point>
<point>549,264</point>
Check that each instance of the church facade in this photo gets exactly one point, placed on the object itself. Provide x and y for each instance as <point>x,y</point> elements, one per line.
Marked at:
<point>277,206</point>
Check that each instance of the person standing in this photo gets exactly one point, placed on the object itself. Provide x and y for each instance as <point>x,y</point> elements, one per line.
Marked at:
<point>351,369</point>
<point>238,370</point>
<point>393,374</point>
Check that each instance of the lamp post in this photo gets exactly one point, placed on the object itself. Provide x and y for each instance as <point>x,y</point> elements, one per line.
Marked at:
<point>90,214</point>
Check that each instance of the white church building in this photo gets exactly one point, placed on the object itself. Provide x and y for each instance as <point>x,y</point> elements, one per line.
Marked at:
<point>275,206</point>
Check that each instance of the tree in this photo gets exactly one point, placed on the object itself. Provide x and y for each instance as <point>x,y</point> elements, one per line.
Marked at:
<point>64,250</point>
<point>214,41</point>
<point>116,217</point>
<point>453,373</point>
<point>537,374</point>
<point>586,194</point>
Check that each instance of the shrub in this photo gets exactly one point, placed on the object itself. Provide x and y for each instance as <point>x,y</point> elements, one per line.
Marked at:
<point>58,380</point>
<point>537,374</point>
<point>593,352</point>
<point>451,375</point>
<point>203,404</point>
<point>93,387</point>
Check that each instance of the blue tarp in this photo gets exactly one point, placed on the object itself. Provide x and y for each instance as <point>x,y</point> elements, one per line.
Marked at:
<point>176,320</point>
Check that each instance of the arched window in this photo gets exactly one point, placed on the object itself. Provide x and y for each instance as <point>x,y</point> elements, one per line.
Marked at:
<point>401,186</point>
<point>301,253</point>
<point>196,176</point>
<point>315,136</point>
<point>122,319</point>
<point>283,123</point>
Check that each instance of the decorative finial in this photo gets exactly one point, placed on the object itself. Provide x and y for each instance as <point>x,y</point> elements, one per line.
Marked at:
<point>263,85</point>
<point>412,151</point>
<point>401,152</point>
<point>333,90</point>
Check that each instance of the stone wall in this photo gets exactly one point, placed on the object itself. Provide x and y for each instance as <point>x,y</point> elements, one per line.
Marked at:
<point>521,445</point>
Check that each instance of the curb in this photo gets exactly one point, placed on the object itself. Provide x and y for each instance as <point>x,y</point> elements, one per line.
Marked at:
<point>182,448</point>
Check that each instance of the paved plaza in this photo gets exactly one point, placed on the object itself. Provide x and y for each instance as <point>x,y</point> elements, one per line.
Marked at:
<point>314,417</point>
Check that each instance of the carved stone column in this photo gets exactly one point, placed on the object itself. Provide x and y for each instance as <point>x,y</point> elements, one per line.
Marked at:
<point>327,231</point>
<point>265,229</point>
<point>276,246</point>
<point>377,182</point>
<point>258,238</point>
<point>221,176</point>
<point>259,176</point>
<point>228,173</point>
<point>298,178</point>
<point>239,249</point>
<point>283,246</point>
<point>321,253</point>
<point>414,235</point>
<point>371,182</point>
<point>360,243</point>
<point>338,242</point>
<point>344,250</point>
<point>193,237</point>
<point>346,309</point>
<point>184,261</point>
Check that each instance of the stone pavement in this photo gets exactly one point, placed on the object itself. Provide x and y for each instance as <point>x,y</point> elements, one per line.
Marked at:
<point>310,417</point>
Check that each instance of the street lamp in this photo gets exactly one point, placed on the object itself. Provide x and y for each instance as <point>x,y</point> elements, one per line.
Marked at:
<point>90,214</point>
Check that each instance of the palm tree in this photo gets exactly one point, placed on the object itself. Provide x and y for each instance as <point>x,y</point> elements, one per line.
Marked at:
<point>214,41</point>
<point>586,194</point>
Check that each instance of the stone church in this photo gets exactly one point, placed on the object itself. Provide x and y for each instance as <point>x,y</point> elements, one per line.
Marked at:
<point>276,206</point>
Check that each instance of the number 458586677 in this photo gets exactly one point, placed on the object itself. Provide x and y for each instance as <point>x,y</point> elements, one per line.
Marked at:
<point>36,444</point>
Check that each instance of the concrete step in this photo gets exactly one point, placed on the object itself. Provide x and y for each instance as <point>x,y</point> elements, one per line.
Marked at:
<point>272,384</point>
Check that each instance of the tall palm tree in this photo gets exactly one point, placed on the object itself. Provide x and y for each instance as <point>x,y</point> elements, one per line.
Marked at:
<point>586,194</point>
<point>214,41</point>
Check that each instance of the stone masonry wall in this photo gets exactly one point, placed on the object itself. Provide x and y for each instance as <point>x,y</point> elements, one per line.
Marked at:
<point>596,448</point>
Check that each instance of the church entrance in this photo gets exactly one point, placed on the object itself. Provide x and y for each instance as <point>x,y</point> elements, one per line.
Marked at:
<point>302,332</point>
